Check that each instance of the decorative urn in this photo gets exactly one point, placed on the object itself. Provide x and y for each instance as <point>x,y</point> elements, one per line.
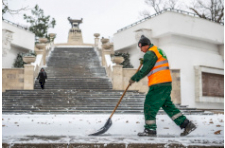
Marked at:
<point>29,59</point>
<point>43,40</point>
<point>118,60</point>
<point>96,35</point>
<point>40,45</point>
<point>104,40</point>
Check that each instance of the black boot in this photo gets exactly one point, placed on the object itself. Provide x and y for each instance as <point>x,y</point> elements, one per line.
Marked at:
<point>148,132</point>
<point>188,127</point>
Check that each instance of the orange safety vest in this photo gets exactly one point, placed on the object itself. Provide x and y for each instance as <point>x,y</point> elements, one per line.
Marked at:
<point>160,73</point>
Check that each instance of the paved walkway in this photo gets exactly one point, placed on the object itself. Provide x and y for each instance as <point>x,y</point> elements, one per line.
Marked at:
<point>74,129</point>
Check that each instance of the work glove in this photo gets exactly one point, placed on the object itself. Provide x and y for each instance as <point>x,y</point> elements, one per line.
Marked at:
<point>131,82</point>
<point>141,60</point>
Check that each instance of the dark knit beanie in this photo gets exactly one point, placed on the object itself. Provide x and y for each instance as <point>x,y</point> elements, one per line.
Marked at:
<point>144,41</point>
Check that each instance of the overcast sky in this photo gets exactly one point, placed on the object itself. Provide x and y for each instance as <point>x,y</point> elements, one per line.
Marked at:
<point>99,16</point>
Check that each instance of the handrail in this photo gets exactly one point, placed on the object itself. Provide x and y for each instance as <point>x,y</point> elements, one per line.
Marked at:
<point>17,25</point>
<point>165,10</point>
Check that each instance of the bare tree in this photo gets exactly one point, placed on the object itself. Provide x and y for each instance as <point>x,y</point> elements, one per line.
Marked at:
<point>212,9</point>
<point>171,4</point>
<point>155,4</point>
<point>6,9</point>
<point>144,14</point>
<point>159,5</point>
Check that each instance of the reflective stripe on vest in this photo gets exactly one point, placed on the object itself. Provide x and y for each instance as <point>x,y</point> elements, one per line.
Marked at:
<point>157,69</point>
<point>161,62</point>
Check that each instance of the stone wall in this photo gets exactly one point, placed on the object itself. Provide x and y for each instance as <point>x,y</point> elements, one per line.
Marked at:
<point>141,86</point>
<point>12,79</point>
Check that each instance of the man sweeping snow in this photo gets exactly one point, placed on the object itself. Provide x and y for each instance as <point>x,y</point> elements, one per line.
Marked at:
<point>156,68</point>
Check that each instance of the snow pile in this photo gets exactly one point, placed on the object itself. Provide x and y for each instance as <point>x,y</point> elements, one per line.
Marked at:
<point>76,128</point>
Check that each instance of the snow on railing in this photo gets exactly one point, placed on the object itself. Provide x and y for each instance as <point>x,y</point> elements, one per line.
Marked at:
<point>109,62</point>
<point>166,10</point>
<point>37,64</point>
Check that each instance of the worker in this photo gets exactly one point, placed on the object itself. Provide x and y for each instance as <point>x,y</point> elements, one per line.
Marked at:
<point>156,68</point>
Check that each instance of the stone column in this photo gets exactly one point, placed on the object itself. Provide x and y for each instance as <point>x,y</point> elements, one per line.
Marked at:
<point>96,39</point>
<point>118,73</point>
<point>118,77</point>
<point>104,41</point>
<point>28,77</point>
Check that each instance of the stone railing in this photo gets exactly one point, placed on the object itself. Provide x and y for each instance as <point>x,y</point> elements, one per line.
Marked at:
<point>24,78</point>
<point>119,76</point>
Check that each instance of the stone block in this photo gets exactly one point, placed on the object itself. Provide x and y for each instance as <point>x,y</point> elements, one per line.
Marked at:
<point>12,79</point>
<point>28,77</point>
<point>97,145</point>
<point>141,145</point>
<point>118,77</point>
<point>75,36</point>
<point>41,145</point>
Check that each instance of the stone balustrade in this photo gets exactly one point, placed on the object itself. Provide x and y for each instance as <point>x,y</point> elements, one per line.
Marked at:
<point>24,78</point>
<point>120,76</point>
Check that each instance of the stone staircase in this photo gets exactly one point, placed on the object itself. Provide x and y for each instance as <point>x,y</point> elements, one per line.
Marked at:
<point>76,83</point>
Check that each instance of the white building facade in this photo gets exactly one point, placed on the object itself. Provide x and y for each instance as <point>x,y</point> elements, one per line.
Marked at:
<point>194,47</point>
<point>15,39</point>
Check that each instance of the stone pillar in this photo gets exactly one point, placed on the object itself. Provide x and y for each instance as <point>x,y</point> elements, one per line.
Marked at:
<point>96,39</point>
<point>118,77</point>
<point>96,42</point>
<point>118,73</point>
<point>44,56</point>
<point>104,41</point>
<point>107,52</point>
<point>28,77</point>
<point>75,33</point>
<point>39,52</point>
<point>75,36</point>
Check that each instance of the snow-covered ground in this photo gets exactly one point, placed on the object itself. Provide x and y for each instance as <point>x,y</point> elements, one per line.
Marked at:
<point>60,128</point>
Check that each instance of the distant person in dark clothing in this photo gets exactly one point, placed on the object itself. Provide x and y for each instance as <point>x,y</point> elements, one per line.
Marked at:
<point>42,76</point>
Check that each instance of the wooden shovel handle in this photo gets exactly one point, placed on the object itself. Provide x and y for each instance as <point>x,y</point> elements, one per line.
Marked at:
<point>123,94</point>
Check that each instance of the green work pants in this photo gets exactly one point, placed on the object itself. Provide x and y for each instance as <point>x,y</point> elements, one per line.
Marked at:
<point>159,96</point>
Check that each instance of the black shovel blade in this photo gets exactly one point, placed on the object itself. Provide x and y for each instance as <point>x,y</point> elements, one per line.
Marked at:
<point>104,129</point>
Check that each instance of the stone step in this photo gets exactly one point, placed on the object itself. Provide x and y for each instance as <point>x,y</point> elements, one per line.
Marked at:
<point>70,107</point>
<point>74,90</point>
<point>92,106</point>
<point>72,97</point>
<point>76,83</point>
<point>161,112</point>
<point>103,145</point>
<point>99,95</point>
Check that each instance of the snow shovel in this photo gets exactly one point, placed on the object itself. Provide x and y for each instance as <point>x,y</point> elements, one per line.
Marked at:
<point>108,124</point>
